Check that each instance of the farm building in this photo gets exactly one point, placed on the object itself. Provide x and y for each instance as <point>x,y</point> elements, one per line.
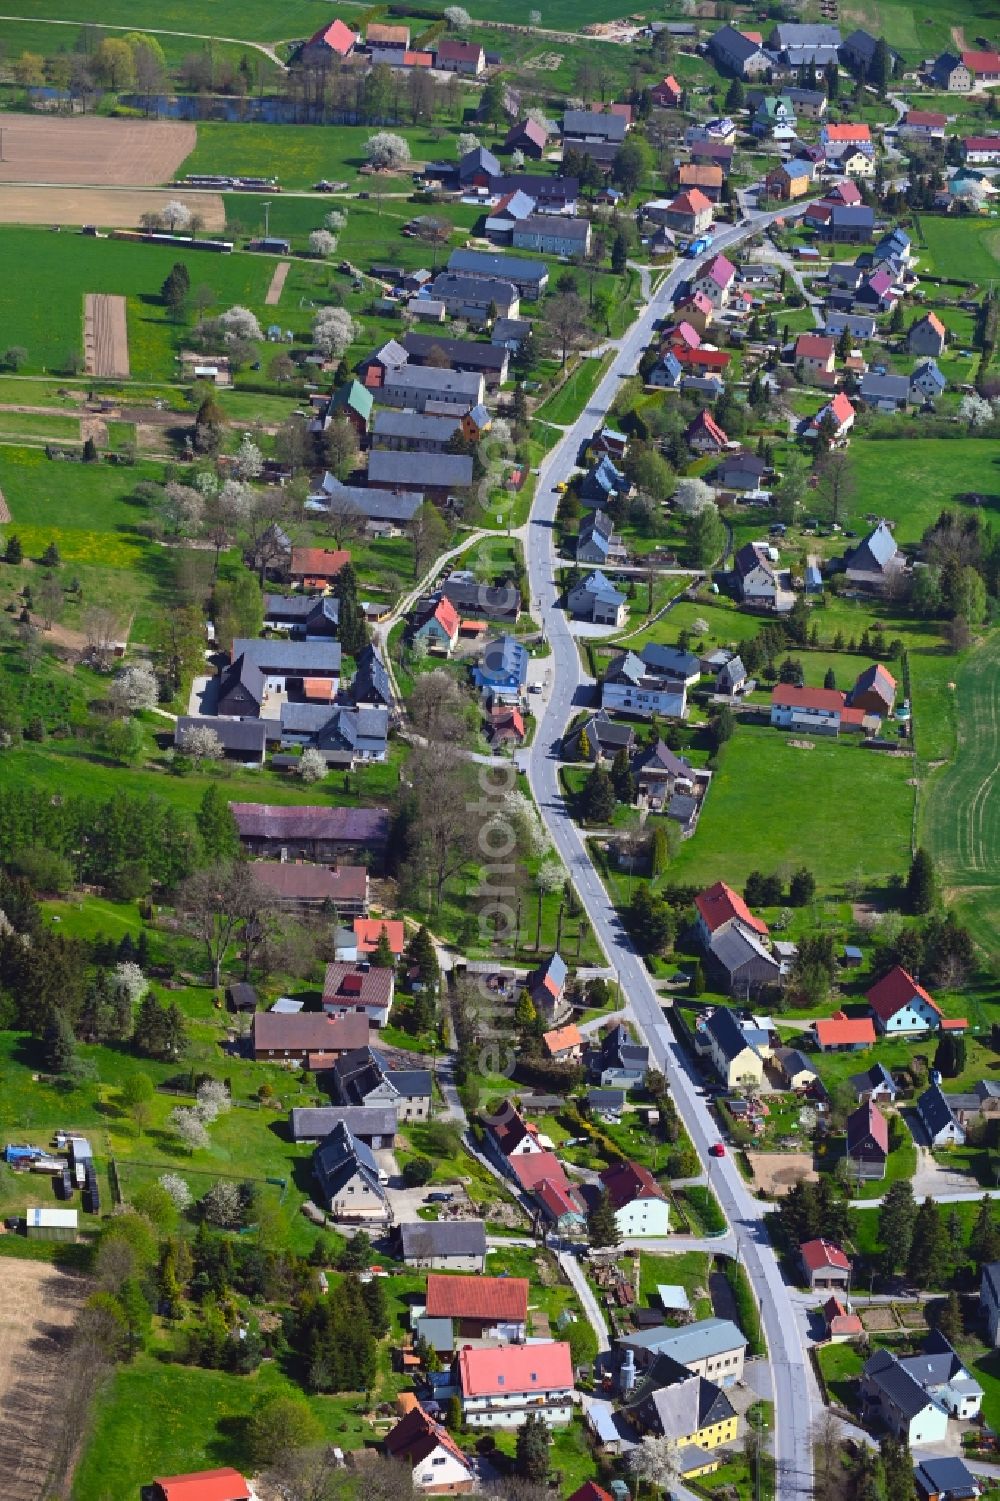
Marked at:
<point>201,1485</point>
<point>50,1224</point>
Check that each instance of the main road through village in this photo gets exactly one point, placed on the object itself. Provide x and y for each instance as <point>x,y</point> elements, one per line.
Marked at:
<point>796,1397</point>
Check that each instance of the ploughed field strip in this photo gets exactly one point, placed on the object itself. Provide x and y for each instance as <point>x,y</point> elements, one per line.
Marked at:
<point>83,149</point>
<point>105,336</point>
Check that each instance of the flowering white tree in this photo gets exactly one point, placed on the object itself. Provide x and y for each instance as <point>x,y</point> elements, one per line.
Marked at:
<point>467,142</point>
<point>692,496</point>
<point>249,461</point>
<point>456,16</point>
<point>322,242</point>
<point>517,160</point>
<point>177,1191</point>
<point>223,1205</point>
<point>201,743</point>
<point>534,19</point>
<point>386,151</point>
<point>312,765</point>
<point>236,500</point>
<point>655,1461</point>
<point>518,809</point>
<point>975,410</point>
<point>130,979</point>
<point>334,331</point>
<point>335,220</point>
<point>239,323</point>
<point>187,1124</point>
<point>134,688</point>
<point>182,508</point>
<point>213,1100</point>
<point>176,216</point>
<point>701,626</point>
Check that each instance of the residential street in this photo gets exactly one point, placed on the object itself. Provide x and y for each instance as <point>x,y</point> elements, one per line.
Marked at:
<point>796,1394</point>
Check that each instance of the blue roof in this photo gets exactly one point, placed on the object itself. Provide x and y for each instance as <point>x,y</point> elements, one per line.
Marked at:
<point>813,575</point>
<point>506,657</point>
<point>672,365</point>
<point>607,476</point>
<point>928,369</point>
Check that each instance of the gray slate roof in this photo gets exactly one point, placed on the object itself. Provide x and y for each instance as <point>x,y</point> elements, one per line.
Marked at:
<point>591,122</point>
<point>426,1238</point>
<point>308,1124</point>
<point>390,422</point>
<point>387,466</point>
<point>338,1159</point>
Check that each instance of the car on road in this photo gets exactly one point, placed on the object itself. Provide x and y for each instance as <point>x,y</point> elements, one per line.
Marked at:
<point>535,688</point>
<point>717,1149</point>
<point>561,488</point>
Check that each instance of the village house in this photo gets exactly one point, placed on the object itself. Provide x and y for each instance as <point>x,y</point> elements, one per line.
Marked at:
<point>716,281</point>
<point>851,224</point>
<point>794,1070</point>
<point>500,1387</point>
<point>824,1265</point>
<point>658,772</point>
<point>820,711</point>
<point>527,136</point>
<point>261,673</point>
<point>350,988</point>
<point>438,625</point>
<point>481,1308</point>
<point>924,124</point>
<point>876,564</point>
<point>704,435</point>
<point>833,421</point>
<point>804,44</point>
<point>874,690</point>
<point>474,297</point>
<point>596,599</point>
<point>530,277</point>
<point>363,1077</point>
<point>667,94</point>
<point>303,886</point>
<point>741,471</point>
<point>599,739</point>
<point>552,234</point>
<point>916,1395</point>
<point>325,834</point>
<point>439,1468</point>
<point>739,53</point>
<point>454,56</point>
<point>443,1245</point>
<point>375,1125</point>
<point>467,356</point>
<point>689,213</point>
<point>867,1142</point>
<point>707,177</point>
<point>412,432</point>
<point>306,617</point>
<point>597,541</point>
<point>697,312</point>
<point>900,1006</point>
<point>565,1044</point>
<point>736,1060</point>
<point>470,597</point>
<point>346,736</point>
<point>875,1083</point>
<point>501,674</point>
<point>692,1413</point>
<point>841,1324</point>
<point>927,382</point>
<point>387,44</point>
<point>754,576</point>
<point>939,1120</point>
<point>620,1062</point>
<point>652,682</point>
<point>437,475</point>
<point>419,386</point>
<point>641,1207</point>
<point>546,985</point>
<point>843,1034</point>
<point>790,180</point>
<point>713,1348</point>
<point>981,151</point>
<point>815,356</point>
<point>510,1135</point>
<point>241,740</point>
<point>946,1479</point>
<point>347,1178</point>
<point>333,41</point>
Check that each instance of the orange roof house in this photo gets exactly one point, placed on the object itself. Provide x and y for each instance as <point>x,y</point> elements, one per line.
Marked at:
<point>202,1485</point>
<point>477,1300</point>
<point>843,1034</point>
<point>316,566</point>
<point>368,931</point>
<point>336,38</point>
<point>564,1042</point>
<point>720,904</point>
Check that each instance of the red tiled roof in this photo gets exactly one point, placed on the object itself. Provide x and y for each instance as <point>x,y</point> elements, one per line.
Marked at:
<point>814,347</point>
<point>317,562</point>
<point>515,1369</point>
<point>839,1321</point>
<point>307,882</point>
<point>926,117</point>
<point>628,1181</point>
<point>981,143</point>
<point>954,1024</point>
<point>563,1037</point>
<point>683,333</point>
<point>754,36</point>
<point>706,423</point>
<point>204,1485</point>
<point>417,1435</point>
<point>691,202</point>
<point>446,615</point>
<point>396,35</point>
<point>850,131</point>
<point>321,690</point>
<point>368,930</point>
<point>896,990</point>
<point>719,904</point>
<point>700,175</point>
<point>338,37</point>
<point>699,302</point>
<point>341,987</point>
<point>590,1491</point>
<point>842,1031</point>
<point>854,717</point>
<point>982,62</point>
<point>500,1298</point>
<point>847,192</point>
<point>310,1032</point>
<point>790,696</point>
<point>935,323</point>
<point>534,1167</point>
<point>508,1127</point>
<point>556,1198</point>
<point>841,407</point>
<point>823,1253</point>
<point>708,359</point>
<point>820,212</point>
<point>721,271</point>
<point>418,59</point>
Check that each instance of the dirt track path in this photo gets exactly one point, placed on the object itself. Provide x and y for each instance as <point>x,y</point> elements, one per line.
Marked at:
<point>274,291</point>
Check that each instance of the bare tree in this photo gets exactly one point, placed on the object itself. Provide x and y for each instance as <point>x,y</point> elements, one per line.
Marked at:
<point>346,520</point>
<point>429,536</point>
<point>565,321</point>
<point>50,597</point>
<point>837,485</point>
<point>219,903</point>
<point>444,818</point>
<point>101,631</point>
<point>436,706</point>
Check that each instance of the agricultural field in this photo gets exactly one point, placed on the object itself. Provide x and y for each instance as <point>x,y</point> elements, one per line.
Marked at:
<point>968,248</point>
<point>38,1307</point>
<point>93,151</point>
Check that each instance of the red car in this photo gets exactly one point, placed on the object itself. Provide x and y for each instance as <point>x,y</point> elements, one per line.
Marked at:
<point>717,1149</point>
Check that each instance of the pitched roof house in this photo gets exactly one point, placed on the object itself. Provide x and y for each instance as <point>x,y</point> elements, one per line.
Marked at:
<point>704,434</point>
<point>844,1034</point>
<point>620,1062</point>
<point>718,906</point>
<point>201,1485</point>
<point>874,690</point>
<point>754,575</point>
<point>900,1006</point>
<point>499,1387</point>
<point>824,1264</point>
<point>939,1120</point>
<point>876,562</point>
<point>640,1205</point>
<point>867,1141</point>
<point>348,1182</point>
<point>444,1245</point>
<point>480,1307</point>
<point>438,1464</point>
<point>736,1059</point>
<point>369,990</point>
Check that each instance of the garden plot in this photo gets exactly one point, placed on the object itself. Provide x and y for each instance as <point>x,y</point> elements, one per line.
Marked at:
<point>40,149</point>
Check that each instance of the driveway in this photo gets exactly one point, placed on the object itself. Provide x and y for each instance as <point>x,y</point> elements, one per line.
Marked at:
<point>204,697</point>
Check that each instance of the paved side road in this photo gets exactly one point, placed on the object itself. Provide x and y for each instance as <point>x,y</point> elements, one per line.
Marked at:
<point>796,1394</point>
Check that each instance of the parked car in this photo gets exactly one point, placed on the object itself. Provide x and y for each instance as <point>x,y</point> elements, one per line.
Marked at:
<point>717,1149</point>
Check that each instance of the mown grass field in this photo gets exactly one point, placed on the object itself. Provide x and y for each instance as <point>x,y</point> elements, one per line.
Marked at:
<point>256,19</point>
<point>44,278</point>
<point>298,155</point>
<point>774,807</point>
<point>921,30</point>
<point>969,248</point>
